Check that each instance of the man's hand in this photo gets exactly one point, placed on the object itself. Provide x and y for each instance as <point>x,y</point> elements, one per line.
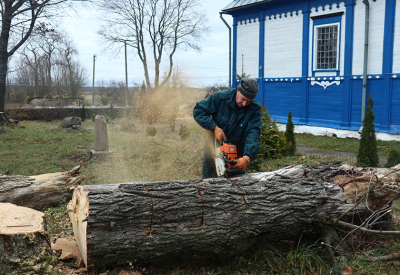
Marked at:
<point>241,163</point>
<point>219,134</point>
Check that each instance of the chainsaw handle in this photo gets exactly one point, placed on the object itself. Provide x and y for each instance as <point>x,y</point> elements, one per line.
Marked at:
<point>231,162</point>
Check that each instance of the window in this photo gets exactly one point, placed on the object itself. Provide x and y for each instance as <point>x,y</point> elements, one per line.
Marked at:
<point>326,43</point>
<point>327,47</point>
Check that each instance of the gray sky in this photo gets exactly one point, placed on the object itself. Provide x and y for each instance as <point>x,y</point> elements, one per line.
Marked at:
<point>206,68</point>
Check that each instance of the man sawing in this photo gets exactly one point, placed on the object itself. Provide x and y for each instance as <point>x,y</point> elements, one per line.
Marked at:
<point>231,116</point>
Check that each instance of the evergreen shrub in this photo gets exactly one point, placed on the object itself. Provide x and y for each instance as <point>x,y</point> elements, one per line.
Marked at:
<point>289,135</point>
<point>393,158</point>
<point>273,143</point>
<point>368,151</point>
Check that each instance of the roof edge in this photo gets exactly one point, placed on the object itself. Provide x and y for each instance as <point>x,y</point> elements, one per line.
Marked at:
<point>225,10</point>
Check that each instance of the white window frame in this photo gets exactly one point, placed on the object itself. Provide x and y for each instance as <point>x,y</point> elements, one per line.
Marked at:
<point>316,27</point>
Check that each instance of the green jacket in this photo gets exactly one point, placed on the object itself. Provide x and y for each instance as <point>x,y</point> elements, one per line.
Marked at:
<point>240,125</point>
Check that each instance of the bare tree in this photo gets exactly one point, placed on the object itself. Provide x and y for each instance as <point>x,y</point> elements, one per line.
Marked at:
<point>160,27</point>
<point>48,66</point>
<point>18,18</point>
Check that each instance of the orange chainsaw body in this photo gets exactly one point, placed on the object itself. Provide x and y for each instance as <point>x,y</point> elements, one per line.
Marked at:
<point>230,151</point>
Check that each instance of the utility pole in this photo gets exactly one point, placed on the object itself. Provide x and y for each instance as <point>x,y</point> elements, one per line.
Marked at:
<point>94,66</point>
<point>126,77</point>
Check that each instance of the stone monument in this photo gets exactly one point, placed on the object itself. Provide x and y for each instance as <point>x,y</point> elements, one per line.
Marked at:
<point>100,137</point>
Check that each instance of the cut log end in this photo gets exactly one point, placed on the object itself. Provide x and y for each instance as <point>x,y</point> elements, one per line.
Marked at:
<point>20,220</point>
<point>24,246</point>
<point>78,210</point>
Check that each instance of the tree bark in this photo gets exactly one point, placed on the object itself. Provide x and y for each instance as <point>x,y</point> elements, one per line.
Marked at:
<point>41,191</point>
<point>24,245</point>
<point>146,222</point>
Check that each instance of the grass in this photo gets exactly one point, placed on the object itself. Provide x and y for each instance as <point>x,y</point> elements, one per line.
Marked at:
<point>341,144</point>
<point>37,147</point>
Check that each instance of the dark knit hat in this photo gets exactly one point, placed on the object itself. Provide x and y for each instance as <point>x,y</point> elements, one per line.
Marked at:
<point>248,87</point>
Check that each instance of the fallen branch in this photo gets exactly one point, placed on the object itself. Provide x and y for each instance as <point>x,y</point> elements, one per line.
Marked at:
<point>41,191</point>
<point>366,230</point>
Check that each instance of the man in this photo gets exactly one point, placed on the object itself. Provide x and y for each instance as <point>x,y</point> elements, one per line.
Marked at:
<point>234,117</point>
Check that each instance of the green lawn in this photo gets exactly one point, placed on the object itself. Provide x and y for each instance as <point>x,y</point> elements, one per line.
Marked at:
<point>35,148</point>
<point>342,144</point>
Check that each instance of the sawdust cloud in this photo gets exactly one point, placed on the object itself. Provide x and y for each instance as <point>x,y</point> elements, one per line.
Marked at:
<point>142,157</point>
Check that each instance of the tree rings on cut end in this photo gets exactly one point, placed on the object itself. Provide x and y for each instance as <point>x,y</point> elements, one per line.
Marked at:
<point>20,220</point>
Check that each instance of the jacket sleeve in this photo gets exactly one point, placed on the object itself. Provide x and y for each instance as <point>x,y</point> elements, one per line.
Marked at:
<point>204,110</point>
<point>252,134</point>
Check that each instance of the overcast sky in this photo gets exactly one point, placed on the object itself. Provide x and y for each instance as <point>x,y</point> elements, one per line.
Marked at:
<point>206,68</point>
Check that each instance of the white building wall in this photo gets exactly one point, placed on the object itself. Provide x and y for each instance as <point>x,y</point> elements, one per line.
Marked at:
<point>248,47</point>
<point>283,45</point>
<point>396,52</point>
<point>317,11</point>
<point>375,42</point>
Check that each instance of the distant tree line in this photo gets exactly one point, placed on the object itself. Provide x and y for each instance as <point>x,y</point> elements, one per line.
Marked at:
<point>47,67</point>
<point>112,92</point>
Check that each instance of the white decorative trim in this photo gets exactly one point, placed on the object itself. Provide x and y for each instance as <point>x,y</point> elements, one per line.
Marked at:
<point>283,15</point>
<point>282,79</point>
<point>325,83</point>
<point>394,76</point>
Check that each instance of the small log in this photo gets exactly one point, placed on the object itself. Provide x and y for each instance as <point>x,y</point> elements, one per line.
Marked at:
<point>24,245</point>
<point>41,191</point>
<point>145,222</point>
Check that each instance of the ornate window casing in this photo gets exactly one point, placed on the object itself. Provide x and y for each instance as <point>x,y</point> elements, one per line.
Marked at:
<point>326,47</point>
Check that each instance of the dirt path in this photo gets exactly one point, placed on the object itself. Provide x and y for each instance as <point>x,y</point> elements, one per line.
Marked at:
<point>339,154</point>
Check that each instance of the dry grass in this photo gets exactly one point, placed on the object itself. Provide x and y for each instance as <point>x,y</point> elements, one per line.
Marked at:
<point>140,157</point>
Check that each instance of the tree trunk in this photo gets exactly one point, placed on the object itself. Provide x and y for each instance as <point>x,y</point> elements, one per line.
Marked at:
<point>39,192</point>
<point>24,245</point>
<point>145,222</point>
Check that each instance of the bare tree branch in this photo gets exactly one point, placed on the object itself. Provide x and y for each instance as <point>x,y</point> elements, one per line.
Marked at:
<point>24,14</point>
<point>159,26</point>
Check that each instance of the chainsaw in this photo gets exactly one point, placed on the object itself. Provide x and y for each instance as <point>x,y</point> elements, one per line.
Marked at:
<point>225,154</point>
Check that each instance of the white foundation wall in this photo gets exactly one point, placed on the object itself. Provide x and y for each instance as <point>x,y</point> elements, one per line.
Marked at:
<point>375,41</point>
<point>248,47</point>
<point>317,11</point>
<point>283,45</point>
<point>396,51</point>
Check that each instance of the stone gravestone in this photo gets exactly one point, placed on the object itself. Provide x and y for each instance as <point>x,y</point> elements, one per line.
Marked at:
<point>71,122</point>
<point>100,137</point>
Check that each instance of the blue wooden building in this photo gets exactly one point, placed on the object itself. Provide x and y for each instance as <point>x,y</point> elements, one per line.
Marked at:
<point>312,56</point>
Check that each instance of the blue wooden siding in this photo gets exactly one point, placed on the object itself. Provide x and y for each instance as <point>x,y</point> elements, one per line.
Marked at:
<point>374,88</point>
<point>281,97</point>
<point>336,106</point>
<point>325,106</point>
<point>395,106</point>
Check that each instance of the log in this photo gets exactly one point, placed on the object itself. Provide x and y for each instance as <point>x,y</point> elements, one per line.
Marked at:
<point>41,191</point>
<point>24,244</point>
<point>146,222</point>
